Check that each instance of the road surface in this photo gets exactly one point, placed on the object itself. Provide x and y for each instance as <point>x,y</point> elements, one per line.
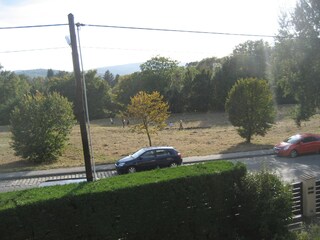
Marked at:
<point>289,169</point>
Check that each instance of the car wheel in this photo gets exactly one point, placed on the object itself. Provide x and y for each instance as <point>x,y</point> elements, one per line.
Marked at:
<point>131,169</point>
<point>173,164</point>
<point>293,153</point>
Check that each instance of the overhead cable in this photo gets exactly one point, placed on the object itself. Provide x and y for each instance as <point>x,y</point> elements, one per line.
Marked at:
<point>34,26</point>
<point>180,30</point>
<point>32,50</point>
<point>145,28</point>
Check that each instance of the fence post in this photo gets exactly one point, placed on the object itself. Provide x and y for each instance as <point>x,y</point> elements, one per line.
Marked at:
<point>309,195</point>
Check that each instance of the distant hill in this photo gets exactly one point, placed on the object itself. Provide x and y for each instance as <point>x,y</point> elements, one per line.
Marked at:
<point>35,72</point>
<point>120,69</point>
<point>117,69</point>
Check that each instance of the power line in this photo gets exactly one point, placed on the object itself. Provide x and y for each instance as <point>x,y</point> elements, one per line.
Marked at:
<point>180,31</point>
<point>121,27</point>
<point>34,26</point>
<point>32,50</point>
<point>145,29</point>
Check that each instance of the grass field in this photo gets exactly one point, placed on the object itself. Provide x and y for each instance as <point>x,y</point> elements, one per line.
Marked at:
<point>203,134</point>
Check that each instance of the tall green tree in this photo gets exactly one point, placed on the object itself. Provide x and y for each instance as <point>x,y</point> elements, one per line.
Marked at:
<point>157,74</point>
<point>12,89</point>
<point>250,107</point>
<point>98,92</point>
<point>298,57</point>
<point>249,59</point>
<point>126,87</point>
<point>64,84</point>
<point>151,112</point>
<point>50,73</point>
<point>108,76</point>
<point>40,125</point>
<point>98,96</point>
<point>200,92</point>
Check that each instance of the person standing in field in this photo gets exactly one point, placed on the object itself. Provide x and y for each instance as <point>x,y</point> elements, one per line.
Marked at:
<point>180,125</point>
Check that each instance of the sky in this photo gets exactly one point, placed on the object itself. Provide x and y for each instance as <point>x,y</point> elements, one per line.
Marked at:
<point>47,48</point>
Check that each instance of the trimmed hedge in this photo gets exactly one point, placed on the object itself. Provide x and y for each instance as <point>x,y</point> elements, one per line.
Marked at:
<point>188,202</point>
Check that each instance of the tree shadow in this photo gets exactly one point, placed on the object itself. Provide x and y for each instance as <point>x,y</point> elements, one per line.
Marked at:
<point>5,128</point>
<point>245,147</point>
<point>19,165</point>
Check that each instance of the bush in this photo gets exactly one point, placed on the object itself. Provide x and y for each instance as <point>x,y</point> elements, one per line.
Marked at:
<point>40,126</point>
<point>265,208</point>
<point>309,232</point>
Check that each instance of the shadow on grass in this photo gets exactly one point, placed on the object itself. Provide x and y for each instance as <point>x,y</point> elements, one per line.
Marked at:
<point>4,128</point>
<point>22,165</point>
<point>192,120</point>
<point>245,147</point>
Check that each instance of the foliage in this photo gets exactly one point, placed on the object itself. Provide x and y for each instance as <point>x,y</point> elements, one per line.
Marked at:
<point>200,92</point>
<point>309,232</point>
<point>298,58</point>
<point>151,112</point>
<point>249,60</point>
<point>265,206</point>
<point>12,89</point>
<point>40,125</point>
<point>163,75</point>
<point>109,78</point>
<point>173,203</point>
<point>252,59</point>
<point>98,96</point>
<point>250,107</point>
<point>50,73</point>
<point>160,204</point>
<point>156,74</point>
<point>127,87</point>
<point>98,92</point>
<point>207,64</point>
<point>65,85</point>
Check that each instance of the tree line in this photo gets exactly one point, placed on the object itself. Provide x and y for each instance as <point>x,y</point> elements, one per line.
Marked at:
<point>196,87</point>
<point>291,68</point>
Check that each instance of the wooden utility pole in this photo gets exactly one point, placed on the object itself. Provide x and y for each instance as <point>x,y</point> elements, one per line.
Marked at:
<point>80,106</point>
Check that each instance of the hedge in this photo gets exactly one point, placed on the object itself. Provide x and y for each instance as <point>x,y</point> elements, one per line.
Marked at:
<point>188,202</point>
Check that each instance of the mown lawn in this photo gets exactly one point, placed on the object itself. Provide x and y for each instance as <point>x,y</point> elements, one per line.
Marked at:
<point>203,134</point>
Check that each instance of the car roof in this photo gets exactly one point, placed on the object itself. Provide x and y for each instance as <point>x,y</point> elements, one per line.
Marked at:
<point>308,135</point>
<point>158,147</point>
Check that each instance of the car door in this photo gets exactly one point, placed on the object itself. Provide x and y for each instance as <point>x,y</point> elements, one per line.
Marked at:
<point>164,157</point>
<point>147,160</point>
<point>308,145</point>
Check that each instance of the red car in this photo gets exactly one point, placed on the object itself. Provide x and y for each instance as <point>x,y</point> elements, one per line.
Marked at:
<point>298,144</point>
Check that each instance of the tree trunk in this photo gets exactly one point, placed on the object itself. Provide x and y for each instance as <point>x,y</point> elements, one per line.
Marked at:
<point>150,144</point>
<point>248,139</point>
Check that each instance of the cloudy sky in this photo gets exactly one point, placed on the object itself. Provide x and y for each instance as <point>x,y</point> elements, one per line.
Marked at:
<point>31,48</point>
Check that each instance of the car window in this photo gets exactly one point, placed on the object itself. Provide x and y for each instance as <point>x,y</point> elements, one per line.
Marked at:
<point>138,153</point>
<point>293,139</point>
<point>148,154</point>
<point>162,152</point>
<point>308,139</point>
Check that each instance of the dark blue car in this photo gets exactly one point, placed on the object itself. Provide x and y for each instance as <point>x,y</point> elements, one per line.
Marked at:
<point>149,158</point>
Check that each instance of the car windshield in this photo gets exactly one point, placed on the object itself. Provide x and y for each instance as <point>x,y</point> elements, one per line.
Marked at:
<point>138,153</point>
<point>293,139</point>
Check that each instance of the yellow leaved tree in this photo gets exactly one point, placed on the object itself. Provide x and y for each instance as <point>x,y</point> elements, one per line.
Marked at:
<point>150,111</point>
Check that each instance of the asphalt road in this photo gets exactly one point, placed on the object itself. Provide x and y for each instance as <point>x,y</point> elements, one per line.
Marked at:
<point>289,169</point>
